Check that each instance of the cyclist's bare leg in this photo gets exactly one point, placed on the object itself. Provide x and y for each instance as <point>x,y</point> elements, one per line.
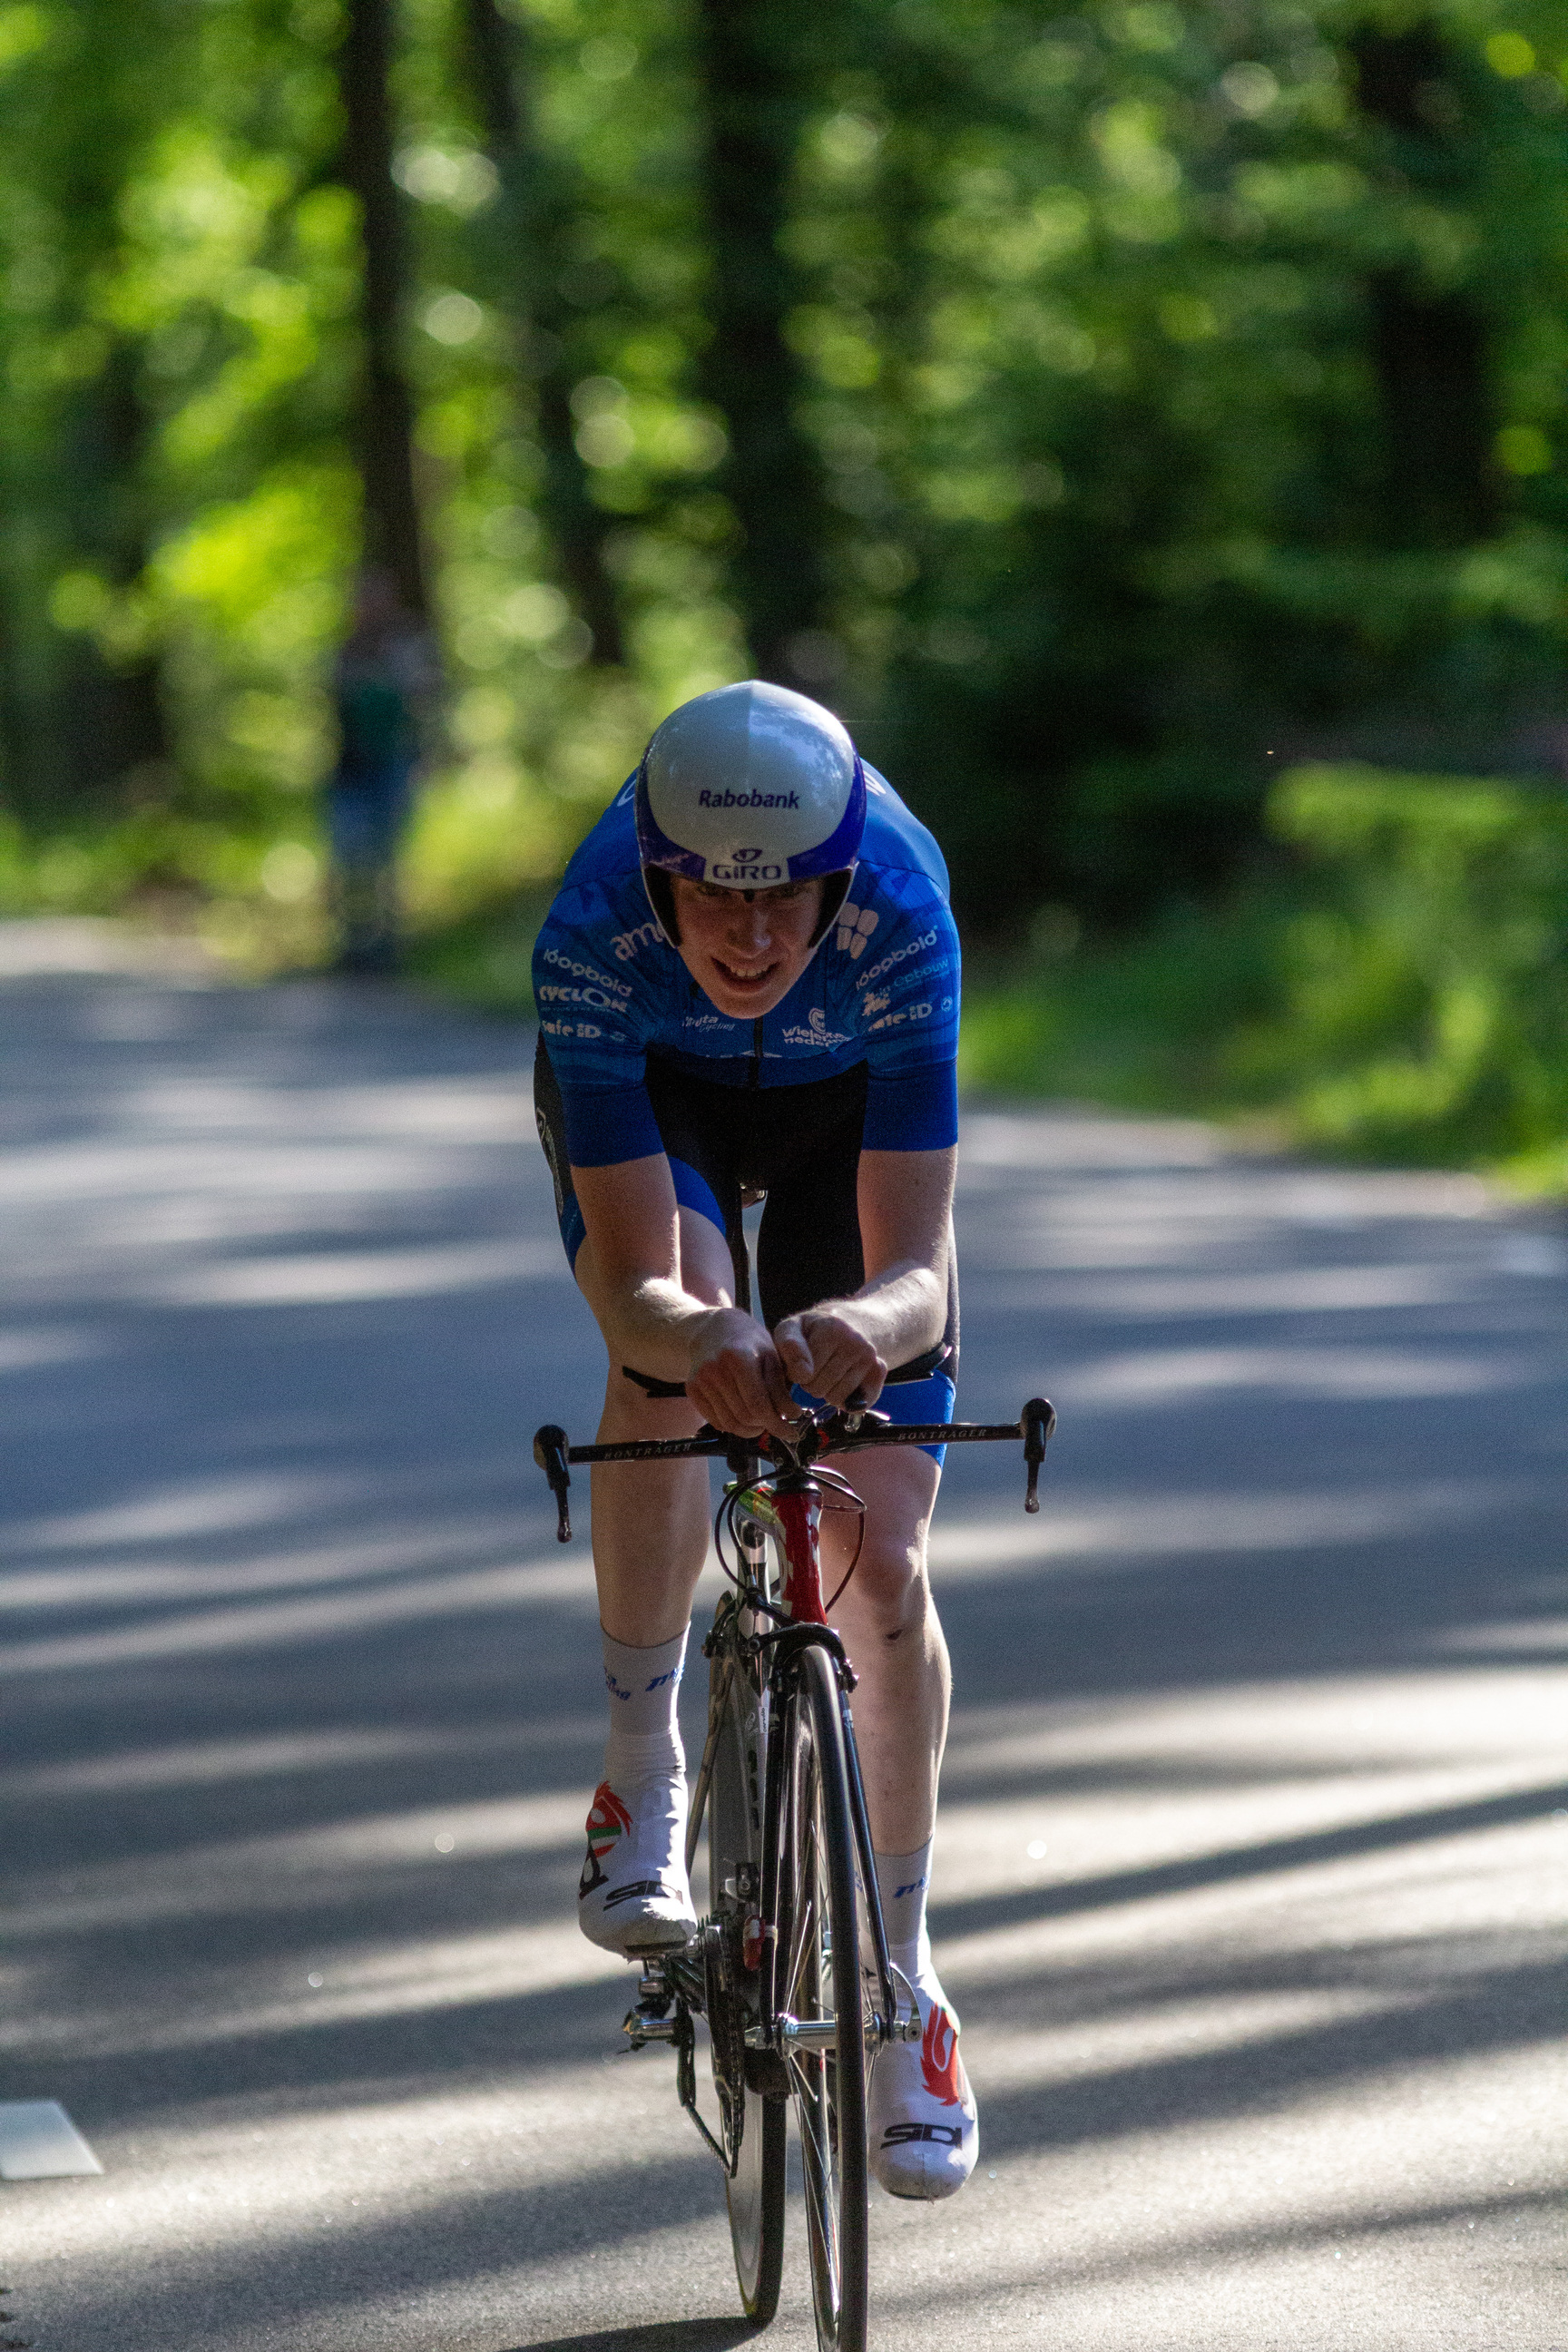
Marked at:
<point>923,2128</point>
<point>650,1534</point>
<point>891,1631</point>
<point>650,1520</point>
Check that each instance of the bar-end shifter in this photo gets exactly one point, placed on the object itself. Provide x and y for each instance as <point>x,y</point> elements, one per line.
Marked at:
<point>550,1453</point>
<point>1036,1424</point>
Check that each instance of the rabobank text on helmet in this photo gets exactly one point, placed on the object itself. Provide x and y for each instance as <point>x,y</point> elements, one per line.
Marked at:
<point>753,799</point>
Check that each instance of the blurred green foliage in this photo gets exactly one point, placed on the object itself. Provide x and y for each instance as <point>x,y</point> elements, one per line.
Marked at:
<point>1426,997</point>
<point>1398,992</point>
<point>1184,393</point>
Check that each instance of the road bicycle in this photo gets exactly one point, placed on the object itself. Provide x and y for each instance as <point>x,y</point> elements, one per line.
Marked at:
<point>790,1969</point>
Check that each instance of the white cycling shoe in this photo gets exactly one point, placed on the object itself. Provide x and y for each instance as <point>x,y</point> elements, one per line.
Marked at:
<point>923,2127</point>
<point>633,1897</point>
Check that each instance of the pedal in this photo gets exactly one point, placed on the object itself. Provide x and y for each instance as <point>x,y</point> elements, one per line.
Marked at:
<point>650,2020</point>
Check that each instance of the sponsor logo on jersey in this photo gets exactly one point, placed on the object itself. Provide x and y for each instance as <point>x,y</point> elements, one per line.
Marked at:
<point>626,943</point>
<point>571,1029</point>
<point>753,799</point>
<point>817,1032</point>
<point>706,1020</point>
<point>898,955</point>
<point>875,1003</point>
<point>856,925</point>
<point>583,971</point>
<point>905,1012</point>
<point>550,992</point>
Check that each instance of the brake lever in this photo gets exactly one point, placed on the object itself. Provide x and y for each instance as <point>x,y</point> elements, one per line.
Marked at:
<point>550,1453</point>
<point>1036,1424</point>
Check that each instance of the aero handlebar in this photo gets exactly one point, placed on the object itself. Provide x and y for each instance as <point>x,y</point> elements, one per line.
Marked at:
<point>849,1430</point>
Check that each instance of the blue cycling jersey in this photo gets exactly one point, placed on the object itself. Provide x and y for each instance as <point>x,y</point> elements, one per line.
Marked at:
<point>882,989</point>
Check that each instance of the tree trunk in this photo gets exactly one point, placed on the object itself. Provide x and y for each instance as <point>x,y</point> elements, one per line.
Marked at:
<point>530,261</point>
<point>384,433</point>
<point>110,735</point>
<point>747,52</point>
<point>1432,351</point>
<point>99,727</point>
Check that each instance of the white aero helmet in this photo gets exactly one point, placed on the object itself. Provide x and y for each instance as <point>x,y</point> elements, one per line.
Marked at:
<point>748,787</point>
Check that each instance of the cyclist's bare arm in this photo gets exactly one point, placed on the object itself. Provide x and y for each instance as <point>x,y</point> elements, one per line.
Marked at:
<point>845,1346</point>
<point>630,1272</point>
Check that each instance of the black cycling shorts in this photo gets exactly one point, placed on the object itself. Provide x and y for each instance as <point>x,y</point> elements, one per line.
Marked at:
<point>800,1148</point>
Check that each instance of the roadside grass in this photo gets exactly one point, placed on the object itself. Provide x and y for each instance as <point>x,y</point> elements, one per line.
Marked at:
<point>1142,1023</point>
<point>1399,993</point>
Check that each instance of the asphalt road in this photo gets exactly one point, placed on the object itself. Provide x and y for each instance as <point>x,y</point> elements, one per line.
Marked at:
<point>1251,1873</point>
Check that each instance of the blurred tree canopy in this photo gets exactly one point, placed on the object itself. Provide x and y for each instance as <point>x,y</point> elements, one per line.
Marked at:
<point>1095,405</point>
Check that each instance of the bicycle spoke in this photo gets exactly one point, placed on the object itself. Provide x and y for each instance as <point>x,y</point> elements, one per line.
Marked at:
<point>819,2171</point>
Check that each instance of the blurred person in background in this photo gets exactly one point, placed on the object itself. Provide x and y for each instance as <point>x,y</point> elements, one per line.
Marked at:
<point>383,684</point>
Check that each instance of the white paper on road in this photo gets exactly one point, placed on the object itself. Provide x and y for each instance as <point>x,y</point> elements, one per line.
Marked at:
<point>39,2141</point>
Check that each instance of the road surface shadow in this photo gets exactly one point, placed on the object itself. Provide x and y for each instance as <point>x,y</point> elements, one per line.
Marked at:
<point>664,2335</point>
<point>980,1913</point>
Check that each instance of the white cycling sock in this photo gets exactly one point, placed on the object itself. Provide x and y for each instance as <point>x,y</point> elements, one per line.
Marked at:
<point>642,1686</point>
<point>633,1896</point>
<point>903,1881</point>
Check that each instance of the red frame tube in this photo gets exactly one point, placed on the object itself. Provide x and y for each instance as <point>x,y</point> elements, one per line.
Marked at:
<point>800,1510</point>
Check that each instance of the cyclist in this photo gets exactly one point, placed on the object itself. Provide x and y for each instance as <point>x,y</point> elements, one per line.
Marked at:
<point>748,988</point>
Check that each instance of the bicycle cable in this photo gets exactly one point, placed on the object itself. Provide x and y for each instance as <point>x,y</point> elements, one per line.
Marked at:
<point>737,1498</point>
<point>832,1478</point>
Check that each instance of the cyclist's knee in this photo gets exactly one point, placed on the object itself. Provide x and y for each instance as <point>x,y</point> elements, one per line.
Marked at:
<point>889,1588</point>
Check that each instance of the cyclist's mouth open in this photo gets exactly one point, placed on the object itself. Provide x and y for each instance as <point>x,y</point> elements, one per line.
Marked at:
<point>747,981</point>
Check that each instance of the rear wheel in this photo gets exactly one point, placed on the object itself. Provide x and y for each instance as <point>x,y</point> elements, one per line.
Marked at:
<point>753,2124</point>
<point>819,1985</point>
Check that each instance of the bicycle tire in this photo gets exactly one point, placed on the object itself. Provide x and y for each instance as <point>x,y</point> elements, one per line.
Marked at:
<point>819,1980</point>
<point>754,2188</point>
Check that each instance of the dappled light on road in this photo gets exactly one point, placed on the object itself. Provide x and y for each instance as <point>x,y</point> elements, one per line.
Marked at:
<point>1250,1865</point>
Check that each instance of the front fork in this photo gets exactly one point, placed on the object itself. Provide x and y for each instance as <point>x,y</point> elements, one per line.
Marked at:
<point>674,1986</point>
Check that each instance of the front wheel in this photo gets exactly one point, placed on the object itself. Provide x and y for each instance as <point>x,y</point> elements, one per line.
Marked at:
<point>819,1985</point>
<point>753,2124</point>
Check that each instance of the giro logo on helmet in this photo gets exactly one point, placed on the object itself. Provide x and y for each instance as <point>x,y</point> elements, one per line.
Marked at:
<point>732,875</point>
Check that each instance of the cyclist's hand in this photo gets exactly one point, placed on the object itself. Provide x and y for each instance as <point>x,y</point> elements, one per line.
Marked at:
<point>736,1380</point>
<point>827,1354</point>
